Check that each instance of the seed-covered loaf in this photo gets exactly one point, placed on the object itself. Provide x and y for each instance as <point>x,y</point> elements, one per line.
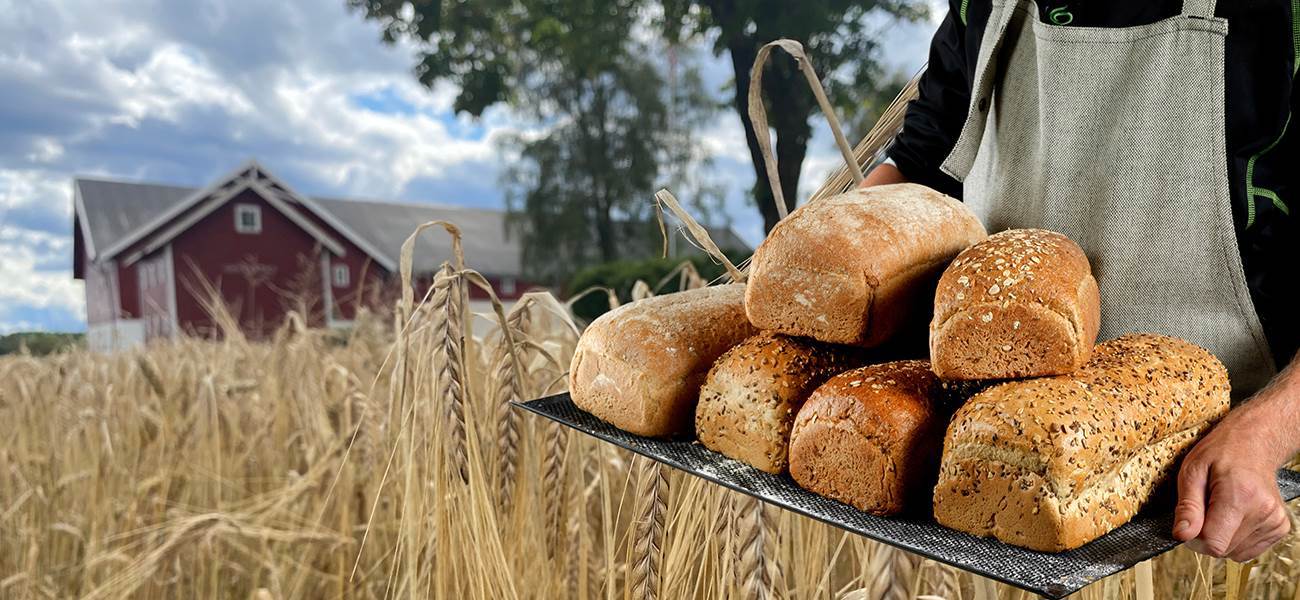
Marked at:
<point>753,392</point>
<point>855,268</point>
<point>1022,303</point>
<point>871,437</point>
<point>640,367</point>
<point>1052,464</point>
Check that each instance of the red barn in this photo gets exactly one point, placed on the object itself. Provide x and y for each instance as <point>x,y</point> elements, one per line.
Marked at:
<point>151,255</point>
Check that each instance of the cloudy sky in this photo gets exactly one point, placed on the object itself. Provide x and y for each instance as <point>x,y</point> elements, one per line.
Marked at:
<point>182,91</point>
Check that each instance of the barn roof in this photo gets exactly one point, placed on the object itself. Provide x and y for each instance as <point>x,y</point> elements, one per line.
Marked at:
<point>111,213</point>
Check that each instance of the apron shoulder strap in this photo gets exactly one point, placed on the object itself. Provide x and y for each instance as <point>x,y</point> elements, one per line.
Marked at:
<point>1199,8</point>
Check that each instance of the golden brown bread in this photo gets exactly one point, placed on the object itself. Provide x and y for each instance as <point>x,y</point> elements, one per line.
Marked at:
<point>640,366</point>
<point>871,437</point>
<point>1051,464</point>
<point>1022,303</point>
<point>753,392</point>
<point>854,268</point>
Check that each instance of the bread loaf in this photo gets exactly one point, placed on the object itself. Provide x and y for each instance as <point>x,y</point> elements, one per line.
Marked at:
<point>640,366</point>
<point>753,392</point>
<point>1051,464</point>
<point>854,268</point>
<point>871,437</point>
<point>1022,303</point>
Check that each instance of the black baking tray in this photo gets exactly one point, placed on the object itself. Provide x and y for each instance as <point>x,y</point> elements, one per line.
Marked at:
<point>1046,574</point>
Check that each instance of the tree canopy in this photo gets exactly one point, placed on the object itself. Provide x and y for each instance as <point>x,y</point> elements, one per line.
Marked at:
<point>591,73</point>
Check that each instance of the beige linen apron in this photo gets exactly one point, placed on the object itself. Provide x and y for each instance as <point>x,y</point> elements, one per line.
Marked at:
<point>1116,138</point>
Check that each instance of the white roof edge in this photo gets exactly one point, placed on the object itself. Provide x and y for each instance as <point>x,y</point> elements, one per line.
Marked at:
<point>176,210</point>
<point>79,207</point>
<point>412,204</point>
<point>383,259</point>
<point>315,232</point>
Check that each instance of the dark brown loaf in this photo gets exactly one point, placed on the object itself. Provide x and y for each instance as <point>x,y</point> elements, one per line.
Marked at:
<point>871,437</point>
<point>640,367</point>
<point>1022,303</point>
<point>753,392</point>
<point>854,268</point>
<point>1051,464</point>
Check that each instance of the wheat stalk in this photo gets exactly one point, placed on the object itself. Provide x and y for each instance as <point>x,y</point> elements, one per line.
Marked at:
<point>893,573</point>
<point>446,312</point>
<point>509,390</point>
<point>756,576</point>
<point>652,511</point>
<point>553,483</point>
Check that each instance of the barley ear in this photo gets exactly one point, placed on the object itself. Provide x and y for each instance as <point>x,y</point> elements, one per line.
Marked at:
<point>448,361</point>
<point>553,483</point>
<point>509,390</point>
<point>757,575</point>
<point>652,512</point>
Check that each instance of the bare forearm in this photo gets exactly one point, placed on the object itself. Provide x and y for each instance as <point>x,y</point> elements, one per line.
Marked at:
<point>885,174</point>
<point>1277,410</point>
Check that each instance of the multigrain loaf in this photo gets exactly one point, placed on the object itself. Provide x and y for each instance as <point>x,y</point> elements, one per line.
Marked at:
<point>1051,464</point>
<point>749,401</point>
<point>855,268</point>
<point>1022,303</point>
<point>871,437</point>
<point>640,366</point>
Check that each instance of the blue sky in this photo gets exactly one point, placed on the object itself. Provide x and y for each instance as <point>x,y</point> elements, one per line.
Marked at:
<point>182,92</point>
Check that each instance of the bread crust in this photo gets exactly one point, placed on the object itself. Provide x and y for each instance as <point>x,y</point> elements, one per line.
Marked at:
<point>1022,303</point>
<point>640,367</point>
<point>871,437</point>
<point>749,401</point>
<point>854,268</point>
<point>1051,464</point>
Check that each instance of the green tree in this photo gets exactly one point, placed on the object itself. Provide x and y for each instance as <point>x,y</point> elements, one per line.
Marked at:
<point>584,72</point>
<point>498,50</point>
<point>837,37</point>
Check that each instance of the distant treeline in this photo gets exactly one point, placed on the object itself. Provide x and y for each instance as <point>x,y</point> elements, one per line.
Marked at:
<point>39,343</point>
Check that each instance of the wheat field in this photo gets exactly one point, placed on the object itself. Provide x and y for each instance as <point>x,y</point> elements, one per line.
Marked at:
<point>387,463</point>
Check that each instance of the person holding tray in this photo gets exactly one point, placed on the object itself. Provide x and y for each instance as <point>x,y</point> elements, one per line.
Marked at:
<point>1159,136</point>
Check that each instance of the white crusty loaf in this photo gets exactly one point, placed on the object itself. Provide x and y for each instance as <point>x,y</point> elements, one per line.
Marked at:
<point>855,268</point>
<point>753,392</point>
<point>1022,303</point>
<point>639,367</point>
<point>871,437</point>
<point>1052,464</point>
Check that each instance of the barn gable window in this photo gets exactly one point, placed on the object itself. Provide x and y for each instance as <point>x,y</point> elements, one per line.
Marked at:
<point>342,276</point>
<point>248,218</point>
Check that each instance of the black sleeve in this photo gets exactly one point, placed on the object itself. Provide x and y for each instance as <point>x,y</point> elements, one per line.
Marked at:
<point>935,119</point>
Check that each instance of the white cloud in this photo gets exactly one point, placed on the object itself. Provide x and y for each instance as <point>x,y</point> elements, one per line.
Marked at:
<point>27,284</point>
<point>180,92</point>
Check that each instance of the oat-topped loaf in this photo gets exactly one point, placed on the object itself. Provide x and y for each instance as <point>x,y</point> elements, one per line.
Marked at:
<point>854,268</point>
<point>1052,464</point>
<point>1022,303</point>
<point>753,392</point>
<point>640,367</point>
<point>871,437</point>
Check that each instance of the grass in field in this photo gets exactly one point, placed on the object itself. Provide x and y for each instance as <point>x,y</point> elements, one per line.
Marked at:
<point>388,467</point>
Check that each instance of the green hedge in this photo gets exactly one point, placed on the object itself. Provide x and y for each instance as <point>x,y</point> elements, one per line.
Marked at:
<point>621,275</point>
<point>39,343</point>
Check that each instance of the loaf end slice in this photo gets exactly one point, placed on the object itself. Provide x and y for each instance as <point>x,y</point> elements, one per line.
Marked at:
<point>1022,303</point>
<point>1053,463</point>
<point>640,367</point>
<point>857,267</point>
<point>870,437</point>
<point>752,394</point>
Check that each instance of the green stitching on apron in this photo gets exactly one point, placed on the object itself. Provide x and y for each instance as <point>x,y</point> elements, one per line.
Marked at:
<point>965,4</point>
<point>1062,15</point>
<point>1251,190</point>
